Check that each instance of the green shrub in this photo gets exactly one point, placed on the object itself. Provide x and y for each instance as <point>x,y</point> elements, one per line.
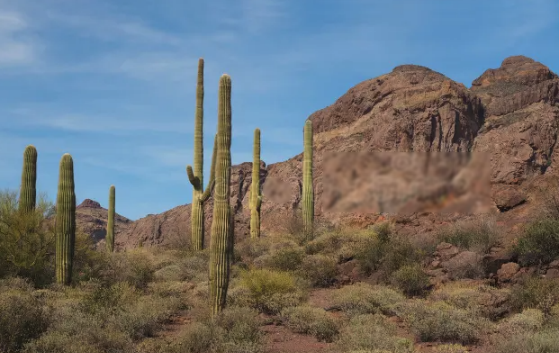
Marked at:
<point>285,259</point>
<point>537,342</point>
<point>411,279</point>
<point>530,320</point>
<point>234,330</point>
<point>478,235</point>
<point>361,298</point>
<point>539,242</point>
<point>487,301</point>
<point>538,293</point>
<point>311,321</point>
<point>440,321</point>
<point>27,240</point>
<point>22,319</point>
<point>372,333</point>
<point>270,291</point>
<point>133,267</point>
<point>319,270</point>
<point>94,340</point>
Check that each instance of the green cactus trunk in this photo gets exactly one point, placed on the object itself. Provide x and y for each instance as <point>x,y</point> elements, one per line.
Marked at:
<point>221,233</point>
<point>28,190</point>
<point>255,195</point>
<point>110,238</point>
<point>195,175</point>
<point>308,193</point>
<point>65,221</point>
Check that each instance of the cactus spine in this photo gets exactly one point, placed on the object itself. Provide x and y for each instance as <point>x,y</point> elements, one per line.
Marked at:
<point>110,238</point>
<point>196,177</point>
<point>308,194</point>
<point>65,221</point>
<point>28,190</point>
<point>221,233</point>
<point>255,195</point>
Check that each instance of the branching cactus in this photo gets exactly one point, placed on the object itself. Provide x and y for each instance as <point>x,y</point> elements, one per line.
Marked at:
<point>65,221</point>
<point>221,246</point>
<point>28,190</point>
<point>195,175</point>
<point>110,238</point>
<point>255,194</point>
<point>308,193</point>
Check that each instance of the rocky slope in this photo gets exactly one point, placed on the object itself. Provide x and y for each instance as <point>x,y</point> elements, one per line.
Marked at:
<point>510,116</point>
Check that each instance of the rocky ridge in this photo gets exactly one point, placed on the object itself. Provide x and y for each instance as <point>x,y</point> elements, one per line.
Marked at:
<point>510,114</point>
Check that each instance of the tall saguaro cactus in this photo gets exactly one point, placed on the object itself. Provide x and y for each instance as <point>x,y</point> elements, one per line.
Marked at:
<point>28,190</point>
<point>65,221</point>
<point>110,238</point>
<point>221,246</point>
<point>196,177</point>
<point>255,195</point>
<point>308,193</point>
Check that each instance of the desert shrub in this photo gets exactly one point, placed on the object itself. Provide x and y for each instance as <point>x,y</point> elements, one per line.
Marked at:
<point>22,318</point>
<point>89,263</point>
<point>144,317</point>
<point>539,242</point>
<point>451,348</point>
<point>372,333</point>
<point>537,342</point>
<point>95,340</point>
<point>133,267</point>
<point>530,320</point>
<point>190,267</point>
<point>537,293</point>
<point>27,240</point>
<point>487,301</point>
<point>478,235</point>
<point>328,243</point>
<point>285,259</point>
<point>311,321</point>
<point>440,321</point>
<point>234,330</point>
<point>388,254</point>
<point>241,326</point>
<point>270,291</point>
<point>319,270</point>
<point>107,299</point>
<point>411,279</point>
<point>361,298</point>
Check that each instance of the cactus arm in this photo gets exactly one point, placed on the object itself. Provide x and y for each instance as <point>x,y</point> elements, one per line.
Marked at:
<point>209,188</point>
<point>194,180</point>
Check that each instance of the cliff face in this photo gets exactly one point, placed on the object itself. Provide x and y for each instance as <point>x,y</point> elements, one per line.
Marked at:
<point>509,115</point>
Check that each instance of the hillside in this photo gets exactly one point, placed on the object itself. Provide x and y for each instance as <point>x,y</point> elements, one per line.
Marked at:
<point>509,116</point>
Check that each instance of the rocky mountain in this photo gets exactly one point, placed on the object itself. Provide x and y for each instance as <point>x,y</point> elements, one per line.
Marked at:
<point>92,219</point>
<point>509,115</point>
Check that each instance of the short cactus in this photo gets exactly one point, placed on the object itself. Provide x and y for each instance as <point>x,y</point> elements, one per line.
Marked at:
<point>308,193</point>
<point>221,246</point>
<point>255,194</point>
<point>65,221</point>
<point>110,237</point>
<point>28,190</point>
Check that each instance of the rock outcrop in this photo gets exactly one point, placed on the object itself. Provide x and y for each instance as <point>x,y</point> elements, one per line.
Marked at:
<point>510,114</point>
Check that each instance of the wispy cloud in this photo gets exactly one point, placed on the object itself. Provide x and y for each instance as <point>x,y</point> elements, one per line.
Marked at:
<point>16,47</point>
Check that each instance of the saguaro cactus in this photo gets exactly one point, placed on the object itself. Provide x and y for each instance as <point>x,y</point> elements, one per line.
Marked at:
<point>65,221</point>
<point>196,177</point>
<point>110,238</point>
<point>255,195</point>
<point>221,246</point>
<point>308,193</point>
<point>28,190</point>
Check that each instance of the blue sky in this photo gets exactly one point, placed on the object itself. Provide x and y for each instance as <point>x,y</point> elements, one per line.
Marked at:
<point>113,82</point>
